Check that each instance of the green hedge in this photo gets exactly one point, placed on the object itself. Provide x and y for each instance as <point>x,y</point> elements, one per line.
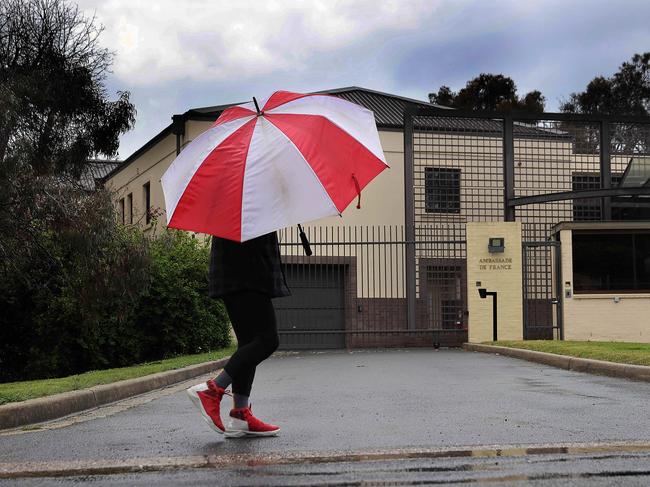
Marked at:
<point>97,295</point>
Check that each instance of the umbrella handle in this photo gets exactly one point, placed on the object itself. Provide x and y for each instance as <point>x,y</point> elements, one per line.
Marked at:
<point>305,242</point>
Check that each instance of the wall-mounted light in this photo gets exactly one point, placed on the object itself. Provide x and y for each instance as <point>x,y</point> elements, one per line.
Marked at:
<point>496,244</point>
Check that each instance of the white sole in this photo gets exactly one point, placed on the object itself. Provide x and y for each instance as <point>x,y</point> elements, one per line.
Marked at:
<point>192,392</point>
<point>249,434</point>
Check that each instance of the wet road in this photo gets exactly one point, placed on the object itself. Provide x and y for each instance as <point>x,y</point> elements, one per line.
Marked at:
<point>360,401</point>
<point>542,471</point>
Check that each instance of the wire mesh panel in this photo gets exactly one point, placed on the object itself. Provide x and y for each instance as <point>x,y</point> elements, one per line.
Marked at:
<point>630,160</point>
<point>457,173</point>
<point>441,301</point>
<point>457,178</point>
<point>555,156</point>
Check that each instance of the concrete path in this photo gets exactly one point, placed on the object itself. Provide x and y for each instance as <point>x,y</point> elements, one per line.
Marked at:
<point>361,401</point>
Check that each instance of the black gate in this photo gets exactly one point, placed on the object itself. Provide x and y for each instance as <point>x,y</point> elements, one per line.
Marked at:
<point>351,293</point>
<point>542,290</point>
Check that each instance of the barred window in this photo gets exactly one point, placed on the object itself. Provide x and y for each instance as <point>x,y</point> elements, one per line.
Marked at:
<point>442,190</point>
<point>588,209</point>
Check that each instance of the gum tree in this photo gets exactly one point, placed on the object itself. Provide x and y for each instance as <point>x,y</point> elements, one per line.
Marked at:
<point>55,115</point>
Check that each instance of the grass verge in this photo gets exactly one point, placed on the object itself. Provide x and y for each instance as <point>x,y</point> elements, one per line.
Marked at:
<point>21,391</point>
<point>623,353</point>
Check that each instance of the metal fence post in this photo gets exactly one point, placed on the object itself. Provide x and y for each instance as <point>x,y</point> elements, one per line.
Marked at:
<point>409,219</point>
<point>508,169</point>
<point>559,289</point>
<point>605,169</point>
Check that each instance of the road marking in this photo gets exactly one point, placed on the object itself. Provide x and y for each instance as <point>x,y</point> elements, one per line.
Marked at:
<point>134,465</point>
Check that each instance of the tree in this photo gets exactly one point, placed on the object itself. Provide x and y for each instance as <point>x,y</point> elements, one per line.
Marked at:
<point>55,110</point>
<point>493,92</point>
<point>627,92</point>
<point>55,115</point>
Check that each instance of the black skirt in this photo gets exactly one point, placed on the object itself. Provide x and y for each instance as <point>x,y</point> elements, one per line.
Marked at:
<point>254,265</point>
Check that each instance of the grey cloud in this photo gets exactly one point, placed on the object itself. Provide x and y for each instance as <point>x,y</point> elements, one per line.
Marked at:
<point>556,47</point>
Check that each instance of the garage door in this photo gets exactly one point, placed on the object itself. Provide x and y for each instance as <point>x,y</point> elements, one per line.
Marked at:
<point>313,316</point>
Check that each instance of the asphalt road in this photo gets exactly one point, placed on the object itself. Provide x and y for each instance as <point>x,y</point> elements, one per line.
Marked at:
<point>364,401</point>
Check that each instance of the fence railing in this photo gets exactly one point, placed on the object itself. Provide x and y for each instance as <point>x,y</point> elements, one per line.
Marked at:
<point>352,291</point>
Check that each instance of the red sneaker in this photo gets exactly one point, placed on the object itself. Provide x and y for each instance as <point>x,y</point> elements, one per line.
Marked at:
<point>243,423</point>
<point>207,398</point>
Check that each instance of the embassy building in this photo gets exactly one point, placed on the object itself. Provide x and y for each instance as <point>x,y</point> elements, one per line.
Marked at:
<point>486,225</point>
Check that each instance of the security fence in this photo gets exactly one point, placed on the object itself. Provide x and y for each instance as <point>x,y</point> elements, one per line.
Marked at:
<point>540,169</point>
<point>407,285</point>
<point>351,293</point>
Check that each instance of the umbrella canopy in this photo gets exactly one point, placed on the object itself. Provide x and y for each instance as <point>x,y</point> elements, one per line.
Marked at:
<point>297,158</point>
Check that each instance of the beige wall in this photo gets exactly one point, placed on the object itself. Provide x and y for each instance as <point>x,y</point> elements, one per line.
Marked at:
<point>149,167</point>
<point>598,317</point>
<point>502,277</point>
<point>383,199</point>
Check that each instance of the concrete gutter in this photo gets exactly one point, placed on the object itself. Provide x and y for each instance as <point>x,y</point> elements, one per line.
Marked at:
<point>591,366</point>
<point>85,467</point>
<point>32,411</point>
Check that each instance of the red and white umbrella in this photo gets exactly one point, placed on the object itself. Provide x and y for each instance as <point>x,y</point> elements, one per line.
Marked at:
<point>298,158</point>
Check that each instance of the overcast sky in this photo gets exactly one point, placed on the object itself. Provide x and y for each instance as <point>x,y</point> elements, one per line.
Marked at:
<point>173,55</point>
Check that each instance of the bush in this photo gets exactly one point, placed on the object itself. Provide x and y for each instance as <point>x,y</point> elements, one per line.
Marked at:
<point>88,293</point>
<point>175,313</point>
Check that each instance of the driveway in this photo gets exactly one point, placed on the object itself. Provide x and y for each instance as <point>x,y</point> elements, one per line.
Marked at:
<point>363,401</point>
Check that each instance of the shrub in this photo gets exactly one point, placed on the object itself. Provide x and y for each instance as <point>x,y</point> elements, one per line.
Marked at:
<point>93,294</point>
<point>175,313</point>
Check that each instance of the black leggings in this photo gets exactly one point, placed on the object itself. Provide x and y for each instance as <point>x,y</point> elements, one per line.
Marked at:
<point>253,319</point>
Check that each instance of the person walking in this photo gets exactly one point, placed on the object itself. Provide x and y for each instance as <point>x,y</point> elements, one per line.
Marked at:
<point>246,276</point>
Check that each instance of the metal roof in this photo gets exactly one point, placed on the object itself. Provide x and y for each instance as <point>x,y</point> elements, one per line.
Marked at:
<point>95,171</point>
<point>389,113</point>
<point>388,109</point>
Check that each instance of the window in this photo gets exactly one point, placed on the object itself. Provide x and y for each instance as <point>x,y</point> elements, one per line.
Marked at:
<point>588,209</point>
<point>441,190</point>
<point>122,211</point>
<point>146,192</point>
<point>611,262</point>
<point>129,207</point>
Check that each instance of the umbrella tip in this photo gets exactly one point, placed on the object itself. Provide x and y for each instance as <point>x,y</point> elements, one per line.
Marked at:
<point>257,107</point>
